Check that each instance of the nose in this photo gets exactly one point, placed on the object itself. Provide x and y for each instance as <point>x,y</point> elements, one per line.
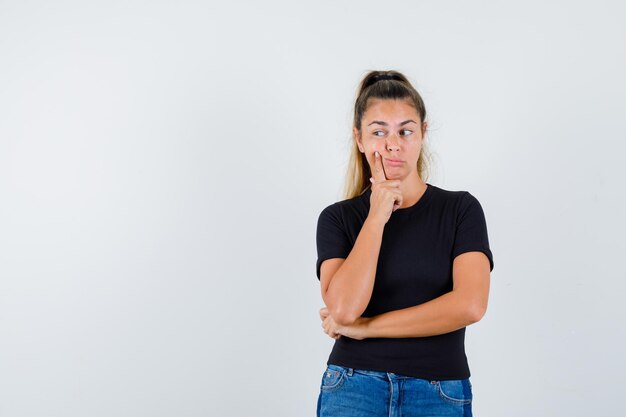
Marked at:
<point>392,142</point>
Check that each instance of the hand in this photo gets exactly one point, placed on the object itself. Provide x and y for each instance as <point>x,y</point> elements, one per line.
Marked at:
<point>386,196</point>
<point>357,330</point>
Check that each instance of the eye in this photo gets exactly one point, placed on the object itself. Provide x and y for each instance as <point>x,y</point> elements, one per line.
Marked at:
<point>406,132</point>
<point>378,133</point>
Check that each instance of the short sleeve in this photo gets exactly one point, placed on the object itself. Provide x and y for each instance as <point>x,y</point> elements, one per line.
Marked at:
<point>331,238</point>
<point>471,229</point>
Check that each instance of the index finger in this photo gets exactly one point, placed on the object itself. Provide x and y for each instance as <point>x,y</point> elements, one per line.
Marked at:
<point>379,170</point>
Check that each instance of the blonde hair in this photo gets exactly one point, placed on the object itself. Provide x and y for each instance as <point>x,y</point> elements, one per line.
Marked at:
<point>382,85</point>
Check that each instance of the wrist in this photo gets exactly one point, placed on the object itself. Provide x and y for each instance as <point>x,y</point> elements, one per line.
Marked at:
<point>374,223</point>
<point>365,325</point>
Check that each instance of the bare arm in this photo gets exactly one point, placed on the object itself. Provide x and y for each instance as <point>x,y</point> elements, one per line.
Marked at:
<point>347,291</point>
<point>464,305</point>
<point>347,285</point>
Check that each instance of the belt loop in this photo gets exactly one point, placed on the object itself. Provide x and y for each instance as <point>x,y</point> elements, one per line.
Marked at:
<point>349,371</point>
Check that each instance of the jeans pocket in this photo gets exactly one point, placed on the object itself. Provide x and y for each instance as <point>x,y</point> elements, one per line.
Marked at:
<point>334,377</point>
<point>456,391</point>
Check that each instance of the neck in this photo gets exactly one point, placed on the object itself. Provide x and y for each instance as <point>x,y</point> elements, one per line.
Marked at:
<point>412,188</point>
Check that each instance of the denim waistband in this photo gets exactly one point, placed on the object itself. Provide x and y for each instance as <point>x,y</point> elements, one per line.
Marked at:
<point>381,374</point>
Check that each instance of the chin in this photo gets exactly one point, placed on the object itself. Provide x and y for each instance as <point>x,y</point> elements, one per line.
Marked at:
<point>396,176</point>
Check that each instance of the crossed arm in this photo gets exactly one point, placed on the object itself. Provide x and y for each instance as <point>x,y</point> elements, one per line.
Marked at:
<point>464,305</point>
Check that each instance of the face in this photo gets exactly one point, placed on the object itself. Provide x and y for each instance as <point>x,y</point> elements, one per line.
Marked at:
<point>391,127</point>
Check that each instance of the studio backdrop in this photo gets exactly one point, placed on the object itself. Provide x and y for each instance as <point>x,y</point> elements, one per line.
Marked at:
<point>163,165</point>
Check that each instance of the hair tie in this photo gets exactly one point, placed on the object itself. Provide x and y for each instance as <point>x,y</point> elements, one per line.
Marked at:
<point>381,77</point>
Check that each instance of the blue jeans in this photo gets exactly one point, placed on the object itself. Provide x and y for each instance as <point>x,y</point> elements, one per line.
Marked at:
<point>349,392</point>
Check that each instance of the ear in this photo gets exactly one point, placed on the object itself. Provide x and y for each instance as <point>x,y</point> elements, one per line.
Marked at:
<point>357,137</point>
<point>424,127</point>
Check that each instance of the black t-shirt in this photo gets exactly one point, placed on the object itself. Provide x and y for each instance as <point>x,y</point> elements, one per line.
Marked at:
<point>418,247</point>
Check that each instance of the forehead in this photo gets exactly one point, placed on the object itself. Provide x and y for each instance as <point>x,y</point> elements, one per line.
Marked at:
<point>390,110</point>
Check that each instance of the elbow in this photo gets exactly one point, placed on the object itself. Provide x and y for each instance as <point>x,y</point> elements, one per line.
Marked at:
<point>476,312</point>
<point>345,320</point>
<point>340,313</point>
<point>343,317</point>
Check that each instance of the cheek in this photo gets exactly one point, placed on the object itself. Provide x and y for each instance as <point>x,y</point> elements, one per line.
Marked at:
<point>371,144</point>
<point>370,148</point>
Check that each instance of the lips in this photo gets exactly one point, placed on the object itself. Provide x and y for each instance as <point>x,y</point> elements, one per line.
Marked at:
<point>394,162</point>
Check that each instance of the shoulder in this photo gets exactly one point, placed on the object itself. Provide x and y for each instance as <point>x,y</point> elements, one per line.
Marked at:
<point>456,201</point>
<point>456,197</point>
<point>342,208</point>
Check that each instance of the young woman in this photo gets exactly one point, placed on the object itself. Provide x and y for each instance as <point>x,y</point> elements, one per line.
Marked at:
<point>404,266</point>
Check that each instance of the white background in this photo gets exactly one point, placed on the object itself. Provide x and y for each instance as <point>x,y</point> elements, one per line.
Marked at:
<point>163,164</point>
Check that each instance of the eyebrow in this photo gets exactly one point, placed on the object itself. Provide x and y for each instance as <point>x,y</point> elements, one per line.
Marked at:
<point>385,124</point>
